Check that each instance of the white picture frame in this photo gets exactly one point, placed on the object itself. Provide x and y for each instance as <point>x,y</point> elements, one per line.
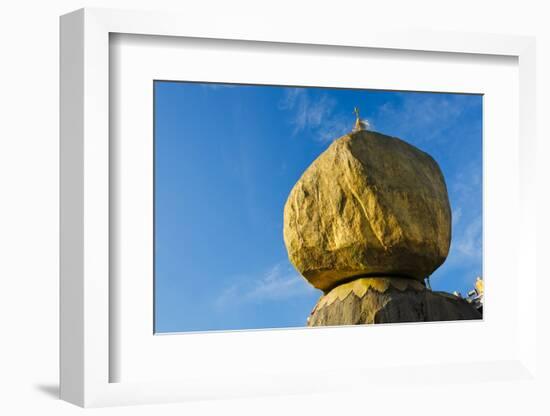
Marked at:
<point>88,304</point>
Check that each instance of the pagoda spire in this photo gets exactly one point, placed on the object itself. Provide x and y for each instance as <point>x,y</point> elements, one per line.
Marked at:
<point>360,124</point>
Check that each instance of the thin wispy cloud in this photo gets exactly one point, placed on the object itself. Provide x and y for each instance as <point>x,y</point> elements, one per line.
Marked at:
<point>334,128</point>
<point>468,241</point>
<point>466,251</point>
<point>467,182</point>
<point>422,117</point>
<point>279,282</point>
<point>290,98</point>
<point>456,215</point>
<point>215,86</point>
<point>307,113</point>
<point>466,245</point>
<point>465,256</point>
<point>316,116</point>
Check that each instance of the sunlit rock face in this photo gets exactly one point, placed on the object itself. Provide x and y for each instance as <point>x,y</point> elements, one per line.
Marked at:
<point>369,205</point>
<point>387,300</point>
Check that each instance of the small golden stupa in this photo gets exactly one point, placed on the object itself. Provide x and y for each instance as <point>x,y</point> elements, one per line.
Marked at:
<point>360,124</point>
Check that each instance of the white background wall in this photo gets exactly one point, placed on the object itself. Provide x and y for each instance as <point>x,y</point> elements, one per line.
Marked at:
<point>29,192</point>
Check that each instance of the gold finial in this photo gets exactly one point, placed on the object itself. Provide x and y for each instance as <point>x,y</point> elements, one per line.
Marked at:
<point>360,125</point>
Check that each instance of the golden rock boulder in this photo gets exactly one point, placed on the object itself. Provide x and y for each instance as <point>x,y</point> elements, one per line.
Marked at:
<point>370,205</point>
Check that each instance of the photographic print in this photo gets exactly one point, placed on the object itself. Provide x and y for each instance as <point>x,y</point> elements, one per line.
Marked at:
<point>283,206</point>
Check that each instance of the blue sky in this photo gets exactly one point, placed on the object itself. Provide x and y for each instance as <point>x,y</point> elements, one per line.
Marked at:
<point>226,158</point>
